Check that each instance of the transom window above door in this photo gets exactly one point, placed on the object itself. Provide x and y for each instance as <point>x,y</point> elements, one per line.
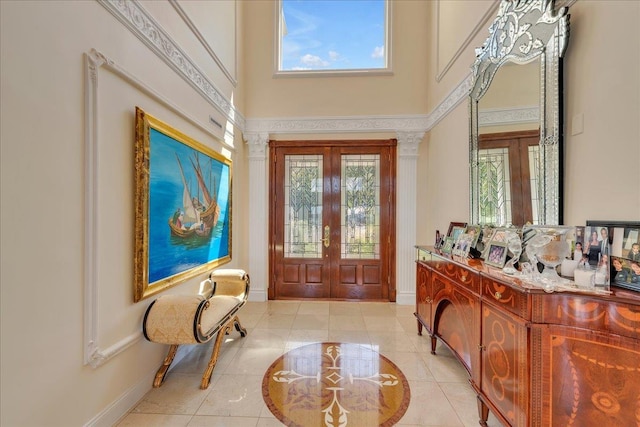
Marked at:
<point>333,37</point>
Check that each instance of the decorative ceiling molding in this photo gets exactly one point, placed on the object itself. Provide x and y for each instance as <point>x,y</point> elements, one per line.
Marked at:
<point>507,116</point>
<point>194,29</point>
<point>337,124</point>
<point>143,26</point>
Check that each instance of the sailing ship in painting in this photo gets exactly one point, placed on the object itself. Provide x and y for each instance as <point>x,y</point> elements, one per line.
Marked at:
<point>196,218</point>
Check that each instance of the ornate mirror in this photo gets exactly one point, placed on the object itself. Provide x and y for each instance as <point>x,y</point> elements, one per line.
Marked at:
<point>516,116</point>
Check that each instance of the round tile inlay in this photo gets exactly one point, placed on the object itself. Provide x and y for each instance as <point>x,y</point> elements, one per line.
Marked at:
<point>335,385</point>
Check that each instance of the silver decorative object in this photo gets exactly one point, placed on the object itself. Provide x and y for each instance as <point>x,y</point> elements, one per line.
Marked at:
<point>514,245</point>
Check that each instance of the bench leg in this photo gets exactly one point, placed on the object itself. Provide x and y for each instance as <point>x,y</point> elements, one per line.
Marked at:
<point>159,379</point>
<point>239,328</point>
<point>206,377</point>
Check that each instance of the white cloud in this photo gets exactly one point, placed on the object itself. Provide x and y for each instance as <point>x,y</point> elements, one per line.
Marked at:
<point>333,55</point>
<point>378,52</point>
<point>313,61</point>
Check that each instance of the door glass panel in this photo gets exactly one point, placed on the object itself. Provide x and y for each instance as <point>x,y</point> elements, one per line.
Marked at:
<point>303,206</point>
<point>360,206</point>
<point>495,186</point>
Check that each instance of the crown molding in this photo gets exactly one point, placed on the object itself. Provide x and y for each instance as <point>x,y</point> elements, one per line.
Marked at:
<point>151,33</point>
<point>196,32</point>
<point>507,116</point>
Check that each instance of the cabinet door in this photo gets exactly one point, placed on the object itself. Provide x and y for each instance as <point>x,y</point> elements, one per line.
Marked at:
<point>455,321</point>
<point>423,297</point>
<point>591,379</point>
<point>504,361</point>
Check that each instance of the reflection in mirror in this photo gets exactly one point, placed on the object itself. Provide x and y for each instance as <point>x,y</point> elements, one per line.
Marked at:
<point>516,117</point>
<point>508,169</point>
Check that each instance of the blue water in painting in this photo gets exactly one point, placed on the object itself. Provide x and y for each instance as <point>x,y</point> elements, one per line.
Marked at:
<point>170,255</point>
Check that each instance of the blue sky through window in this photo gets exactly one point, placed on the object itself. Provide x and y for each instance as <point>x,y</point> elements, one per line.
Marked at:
<point>333,35</point>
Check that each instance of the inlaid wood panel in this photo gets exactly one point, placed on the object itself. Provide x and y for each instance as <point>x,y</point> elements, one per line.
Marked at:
<point>459,274</point>
<point>423,297</point>
<point>591,379</point>
<point>505,363</point>
<point>506,296</point>
<point>622,318</point>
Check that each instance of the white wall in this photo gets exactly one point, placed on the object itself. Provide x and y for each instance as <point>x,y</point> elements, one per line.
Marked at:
<point>44,378</point>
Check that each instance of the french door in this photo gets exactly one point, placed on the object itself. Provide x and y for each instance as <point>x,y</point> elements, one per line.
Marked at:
<point>332,216</point>
<point>508,175</point>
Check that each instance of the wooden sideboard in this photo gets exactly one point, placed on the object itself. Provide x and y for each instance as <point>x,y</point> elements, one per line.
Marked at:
<point>534,358</point>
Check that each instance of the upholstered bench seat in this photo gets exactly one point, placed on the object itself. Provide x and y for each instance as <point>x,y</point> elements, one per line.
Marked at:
<point>194,319</point>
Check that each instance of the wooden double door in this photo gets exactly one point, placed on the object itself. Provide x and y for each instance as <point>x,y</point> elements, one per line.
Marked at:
<point>332,220</point>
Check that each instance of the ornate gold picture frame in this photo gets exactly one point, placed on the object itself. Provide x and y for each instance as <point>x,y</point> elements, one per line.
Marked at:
<point>182,207</point>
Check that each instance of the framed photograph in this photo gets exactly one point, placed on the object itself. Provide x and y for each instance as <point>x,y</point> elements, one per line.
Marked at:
<point>496,254</point>
<point>625,273</point>
<point>621,247</point>
<point>182,207</point>
<point>458,227</point>
<point>447,246</point>
<point>475,231</point>
<point>463,244</point>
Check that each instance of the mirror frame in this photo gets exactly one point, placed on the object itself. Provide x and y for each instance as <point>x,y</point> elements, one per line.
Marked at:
<point>523,31</point>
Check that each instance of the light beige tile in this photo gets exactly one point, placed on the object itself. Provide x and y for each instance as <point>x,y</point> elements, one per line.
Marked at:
<point>346,323</point>
<point>310,321</point>
<point>390,342</point>
<point>253,361</point>
<point>355,337</point>
<point>429,407</point>
<point>344,308</point>
<point>212,420</point>
<point>180,394</point>
<point>379,323</point>
<point>314,307</point>
<point>235,396</point>
<point>463,399</point>
<point>269,422</point>
<point>275,338</point>
<point>411,365</point>
<point>445,368</point>
<point>300,337</point>
<point>276,321</point>
<point>283,307</point>
<point>154,420</point>
<point>380,309</point>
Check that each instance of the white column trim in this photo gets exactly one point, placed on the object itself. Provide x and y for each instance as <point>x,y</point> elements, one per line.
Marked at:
<point>259,219</point>
<point>406,217</point>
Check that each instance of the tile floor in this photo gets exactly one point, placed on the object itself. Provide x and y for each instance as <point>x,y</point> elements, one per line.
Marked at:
<point>440,392</point>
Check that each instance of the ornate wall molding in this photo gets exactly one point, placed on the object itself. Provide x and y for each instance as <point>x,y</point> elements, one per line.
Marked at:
<point>408,143</point>
<point>257,142</point>
<point>143,26</point>
<point>506,116</point>
<point>94,352</point>
<point>337,124</point>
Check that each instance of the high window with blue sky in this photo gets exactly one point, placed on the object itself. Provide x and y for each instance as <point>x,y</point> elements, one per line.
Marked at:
<point>324,36</point>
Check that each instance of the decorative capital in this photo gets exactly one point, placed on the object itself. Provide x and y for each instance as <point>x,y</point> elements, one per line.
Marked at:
<point>257,142</point>
<point>408,143</point>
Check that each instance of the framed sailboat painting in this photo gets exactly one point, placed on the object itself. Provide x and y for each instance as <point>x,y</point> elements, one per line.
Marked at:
<point>182,207</point>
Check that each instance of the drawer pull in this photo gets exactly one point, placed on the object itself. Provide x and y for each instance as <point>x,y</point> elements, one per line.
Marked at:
<point>481,347</point>
<point>497,295</point>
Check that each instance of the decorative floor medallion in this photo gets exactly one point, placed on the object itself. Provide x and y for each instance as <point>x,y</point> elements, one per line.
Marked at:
<point>335,385</point>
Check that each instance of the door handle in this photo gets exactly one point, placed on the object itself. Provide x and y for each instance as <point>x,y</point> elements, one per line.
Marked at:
<point>327,236</point>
